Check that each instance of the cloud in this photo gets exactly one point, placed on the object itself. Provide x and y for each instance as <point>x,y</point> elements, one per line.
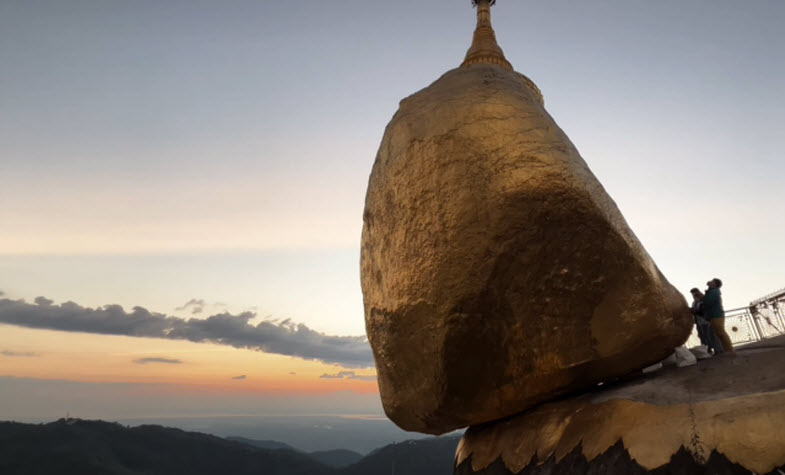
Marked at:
<point>196,306</point>
<point>239,378</point>
<point>349,375</point>
<point>19,354</point>
<point>283,338</point>
<point>43,301</point>
<point>292,373</point>
<point>157,360</point>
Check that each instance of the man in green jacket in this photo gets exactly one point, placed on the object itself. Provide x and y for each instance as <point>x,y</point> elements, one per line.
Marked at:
<point>713,311</point>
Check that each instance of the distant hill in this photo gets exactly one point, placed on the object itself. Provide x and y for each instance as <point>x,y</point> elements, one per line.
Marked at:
<point>264,444</point>
<point>332,458</point>
<point>336,458</point>
<point>73,446</point>
<point>81,447</point>
<point>431,456</point>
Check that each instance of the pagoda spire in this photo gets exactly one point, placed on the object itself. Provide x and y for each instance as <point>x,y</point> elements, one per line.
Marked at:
<point>484,49</point>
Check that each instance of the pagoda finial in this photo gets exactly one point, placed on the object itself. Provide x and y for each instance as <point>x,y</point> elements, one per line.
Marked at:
<point>484,49</point>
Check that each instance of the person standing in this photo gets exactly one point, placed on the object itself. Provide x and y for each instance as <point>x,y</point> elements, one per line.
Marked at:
<point>706,336</point>
<point>701,324</point>
<point>713,311</point>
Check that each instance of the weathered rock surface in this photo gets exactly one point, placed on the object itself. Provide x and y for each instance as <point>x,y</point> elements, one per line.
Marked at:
<point>617,461</point>
<point>496,271</point>
<point>723,415</point>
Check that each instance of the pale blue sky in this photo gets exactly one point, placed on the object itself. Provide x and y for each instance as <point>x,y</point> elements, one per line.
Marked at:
<point>154,152</point>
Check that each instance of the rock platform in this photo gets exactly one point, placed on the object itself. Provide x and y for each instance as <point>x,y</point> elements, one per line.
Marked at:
<point>725,415</point>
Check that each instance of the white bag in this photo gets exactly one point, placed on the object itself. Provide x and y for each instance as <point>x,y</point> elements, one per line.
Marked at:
<point>701,352</point>
<point>652,368</point>
<point>671,360</point>
<point>684,357</point>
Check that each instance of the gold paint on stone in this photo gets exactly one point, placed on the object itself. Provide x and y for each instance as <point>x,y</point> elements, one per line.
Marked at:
<point>533,88</point>
<point>485,49</point>
<point>497,273</point>
<point>733,406</point>
<point>747,430</point>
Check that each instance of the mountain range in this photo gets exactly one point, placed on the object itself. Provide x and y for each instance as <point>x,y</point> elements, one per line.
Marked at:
<point>332,458</point>
<point>75,446</point>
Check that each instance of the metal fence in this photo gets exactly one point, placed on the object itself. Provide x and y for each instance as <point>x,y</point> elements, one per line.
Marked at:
<point>763,318</point>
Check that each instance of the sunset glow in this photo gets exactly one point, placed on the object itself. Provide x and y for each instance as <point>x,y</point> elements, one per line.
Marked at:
<point>183,183</point>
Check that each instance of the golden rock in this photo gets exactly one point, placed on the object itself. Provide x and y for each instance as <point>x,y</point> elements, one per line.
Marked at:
<point>496,271</point>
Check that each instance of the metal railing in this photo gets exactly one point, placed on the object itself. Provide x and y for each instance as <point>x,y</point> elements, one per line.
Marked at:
<point>763,318</point>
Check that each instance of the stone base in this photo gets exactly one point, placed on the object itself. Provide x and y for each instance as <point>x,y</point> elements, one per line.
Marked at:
<point>725,415</point>
<point>617,461</point>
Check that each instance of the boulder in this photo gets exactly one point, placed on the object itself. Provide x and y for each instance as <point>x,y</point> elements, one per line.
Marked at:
<point>497,273</point>
<point>722,416</point>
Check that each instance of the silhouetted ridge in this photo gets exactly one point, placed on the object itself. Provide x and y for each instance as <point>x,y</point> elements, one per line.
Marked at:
<point>264,444</point>
<point>432,456</point>
<point>96,447</point>
<point>74,446</point>
<point>337,458</point>
<point>332,458</point>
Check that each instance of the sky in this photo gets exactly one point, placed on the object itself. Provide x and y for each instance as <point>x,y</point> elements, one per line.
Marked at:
<point>200,168</point>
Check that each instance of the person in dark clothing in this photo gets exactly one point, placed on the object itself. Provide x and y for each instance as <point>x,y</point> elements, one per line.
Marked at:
<point>705,334</point>
<point>701,324</point>
<point>713,311</point>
